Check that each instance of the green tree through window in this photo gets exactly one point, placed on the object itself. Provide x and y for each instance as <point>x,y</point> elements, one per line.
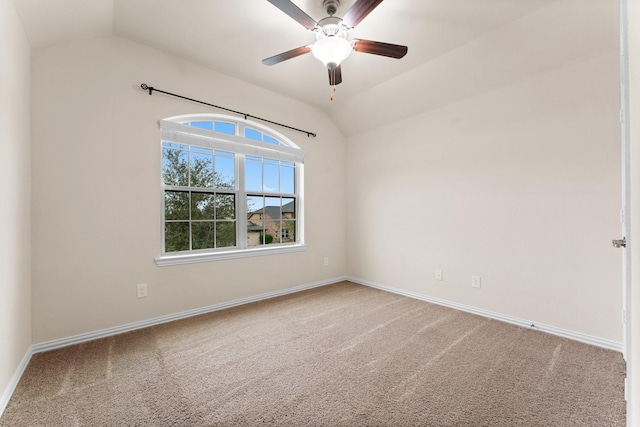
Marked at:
<point>198,213</point>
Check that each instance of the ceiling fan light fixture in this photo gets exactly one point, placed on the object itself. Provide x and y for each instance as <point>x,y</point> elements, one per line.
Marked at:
<point>331,51</point>
<point>332,44</point>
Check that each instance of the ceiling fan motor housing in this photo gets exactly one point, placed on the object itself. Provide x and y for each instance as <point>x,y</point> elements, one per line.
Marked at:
<point>331,26</point>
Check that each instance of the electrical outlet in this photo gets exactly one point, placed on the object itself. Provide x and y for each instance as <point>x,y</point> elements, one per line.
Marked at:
<point>475,281</point>
<point>438,274</point>
<point>326,260</point>
<point>141,290</point>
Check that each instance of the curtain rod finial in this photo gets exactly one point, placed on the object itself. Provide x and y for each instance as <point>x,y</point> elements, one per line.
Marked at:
<point>145,87</point>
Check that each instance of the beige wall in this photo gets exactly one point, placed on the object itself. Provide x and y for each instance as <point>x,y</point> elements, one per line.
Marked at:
<point>15,174</point>
<point>520,186</point>
<point>96,190</point>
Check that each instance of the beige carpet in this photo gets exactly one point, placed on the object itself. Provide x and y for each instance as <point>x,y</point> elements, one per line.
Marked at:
<point>340,355</point>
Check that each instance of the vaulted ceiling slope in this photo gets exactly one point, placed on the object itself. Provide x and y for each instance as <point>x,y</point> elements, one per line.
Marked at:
<point>457,48</point>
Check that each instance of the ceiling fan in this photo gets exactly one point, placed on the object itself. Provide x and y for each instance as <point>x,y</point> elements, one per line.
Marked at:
<point>332,45</point>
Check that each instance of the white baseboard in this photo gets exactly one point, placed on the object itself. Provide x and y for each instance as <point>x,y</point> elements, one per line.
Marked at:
<point>77,339</point>
<point>576,336</point>
<point>6,396</point>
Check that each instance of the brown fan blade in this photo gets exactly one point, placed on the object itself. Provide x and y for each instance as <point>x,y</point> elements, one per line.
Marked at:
<point>358,11</point>
<point>379,48</point>
<point>286,55</point>
<point>335,76</point>
<point>295,12</point>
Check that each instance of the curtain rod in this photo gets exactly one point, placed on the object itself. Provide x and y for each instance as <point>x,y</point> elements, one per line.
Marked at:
<point>151,89</point>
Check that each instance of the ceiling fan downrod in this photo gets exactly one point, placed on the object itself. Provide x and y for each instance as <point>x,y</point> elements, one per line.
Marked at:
<point>331,6</point>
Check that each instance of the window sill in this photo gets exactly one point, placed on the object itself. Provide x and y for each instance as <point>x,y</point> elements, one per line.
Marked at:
<point>165,260</point>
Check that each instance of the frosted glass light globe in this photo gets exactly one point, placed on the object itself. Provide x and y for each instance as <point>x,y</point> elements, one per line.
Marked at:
<point>331,51</point>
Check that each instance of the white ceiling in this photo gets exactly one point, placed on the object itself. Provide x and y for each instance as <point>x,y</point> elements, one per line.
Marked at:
<point>457,48</point>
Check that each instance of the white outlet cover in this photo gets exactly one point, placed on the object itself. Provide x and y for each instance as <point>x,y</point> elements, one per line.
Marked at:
<point>141,290</point>
<point>475,281</point>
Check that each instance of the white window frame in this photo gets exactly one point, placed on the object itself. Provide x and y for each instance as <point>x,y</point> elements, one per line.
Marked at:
<point>173,131</point>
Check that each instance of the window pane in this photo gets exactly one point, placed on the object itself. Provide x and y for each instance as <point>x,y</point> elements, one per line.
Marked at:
<point>225,234</point>
<point>201,170</point>
<point>254,235</point>
<point>174,167</point>
<point>253,175</point>
<point>203,235</point>
<point>176,205</point>
<point>271,179</point>
<point>225,206</point>
<point>288,208</point>
<point>255,227</point>
<point>174,145</point>
<point>252,134</point>
<point>272,207</point>
<point>202,150</point>
<point>202,125</point>
<point>272,201</point>
<point>287,180</point>
<point>176,236</point>
<point>222,127</point>
<point>225,175</point>
<point>271,232</point>
<point>288,231</point>
<point>254,207</point>
<point>202,206</point>
<point>270,140</point>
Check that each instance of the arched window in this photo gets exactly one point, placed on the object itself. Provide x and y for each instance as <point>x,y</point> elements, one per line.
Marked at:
<point>231,188</point>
